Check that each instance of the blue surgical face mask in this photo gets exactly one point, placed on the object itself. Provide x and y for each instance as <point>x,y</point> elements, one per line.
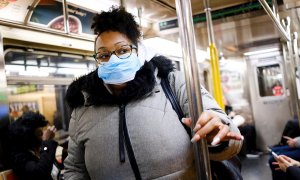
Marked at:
<point>118,71</point>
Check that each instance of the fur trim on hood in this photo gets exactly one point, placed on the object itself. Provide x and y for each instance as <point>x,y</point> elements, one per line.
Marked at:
<point>90,90</point>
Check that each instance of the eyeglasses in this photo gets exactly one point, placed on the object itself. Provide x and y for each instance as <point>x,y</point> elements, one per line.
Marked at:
<point>121,52</point>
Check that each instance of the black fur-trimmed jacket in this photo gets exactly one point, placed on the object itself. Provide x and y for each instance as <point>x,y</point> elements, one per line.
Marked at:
<point>106,130</point>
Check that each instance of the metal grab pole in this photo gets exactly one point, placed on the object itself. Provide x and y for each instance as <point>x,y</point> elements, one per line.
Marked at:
<point>297,64</point>
<point>274,18</point>
<point>275,9</point>
<point>214,59</point>
<point>188,43</point>
<point>295,48</point>
<point>66,16</point>
<point>290,66</point>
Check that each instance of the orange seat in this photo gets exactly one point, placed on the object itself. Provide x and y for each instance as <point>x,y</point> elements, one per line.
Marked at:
<point>8,175</point>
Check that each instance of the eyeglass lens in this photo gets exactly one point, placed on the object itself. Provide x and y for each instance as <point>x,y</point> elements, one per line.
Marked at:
<point>121,52</point>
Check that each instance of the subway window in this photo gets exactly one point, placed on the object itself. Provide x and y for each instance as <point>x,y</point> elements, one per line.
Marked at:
<point>46,64</point>
<point>270,80</point>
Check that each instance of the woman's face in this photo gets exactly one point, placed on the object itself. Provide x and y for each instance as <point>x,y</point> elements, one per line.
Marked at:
<point>110,41</point>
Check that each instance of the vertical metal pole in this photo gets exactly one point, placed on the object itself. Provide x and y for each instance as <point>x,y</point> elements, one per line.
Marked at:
<point>140,10</point>
<point>295,48</point>
<point>66,16</point>
<point>211,38</point>
<point>188,43</point>
<point>122,4</point>
<point>286,76</point>
<point>297,68</point>
<point>214,59</point>
<point>291,70</point>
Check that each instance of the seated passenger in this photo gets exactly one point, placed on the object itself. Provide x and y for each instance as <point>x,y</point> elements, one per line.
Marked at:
<point>288,165</point>
<point>291,150</point>
<point>33,150</point>
<point>291,129</point>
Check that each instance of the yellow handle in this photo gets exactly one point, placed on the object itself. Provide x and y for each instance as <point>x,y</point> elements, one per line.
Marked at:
<point>215,70</point>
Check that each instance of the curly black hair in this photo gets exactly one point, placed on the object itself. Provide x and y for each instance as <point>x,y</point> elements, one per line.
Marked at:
<point>117,19</point>
<point>22,132</point>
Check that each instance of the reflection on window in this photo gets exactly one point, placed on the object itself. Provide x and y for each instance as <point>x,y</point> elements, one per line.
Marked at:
<point>32,97</point>
<point>270,80</point>
<point>27,63</point>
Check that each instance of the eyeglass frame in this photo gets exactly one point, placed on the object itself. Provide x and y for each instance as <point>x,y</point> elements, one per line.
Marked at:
<point>132,46</point>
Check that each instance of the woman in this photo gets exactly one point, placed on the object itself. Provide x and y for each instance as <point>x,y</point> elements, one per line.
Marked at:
<point>33,151</point>
<point>123,126</point>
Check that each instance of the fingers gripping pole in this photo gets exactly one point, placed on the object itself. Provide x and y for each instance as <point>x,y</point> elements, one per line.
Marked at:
<point>188,43</point>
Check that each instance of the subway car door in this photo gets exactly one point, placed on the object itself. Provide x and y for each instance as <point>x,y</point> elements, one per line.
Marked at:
<point>270,103</point>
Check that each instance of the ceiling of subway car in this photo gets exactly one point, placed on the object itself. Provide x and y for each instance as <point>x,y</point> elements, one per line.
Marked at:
<point>239,25</point>
<point>157,10</point>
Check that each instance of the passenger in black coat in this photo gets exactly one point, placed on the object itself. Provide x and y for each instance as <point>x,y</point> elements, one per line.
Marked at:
<point>33,150</point>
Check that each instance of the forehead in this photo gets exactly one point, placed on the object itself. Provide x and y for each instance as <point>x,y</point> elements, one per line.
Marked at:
<point>111,39</point>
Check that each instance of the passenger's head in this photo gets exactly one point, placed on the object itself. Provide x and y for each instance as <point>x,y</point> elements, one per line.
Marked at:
<point>26,132</point>
<point>117,19</point>
<point>115,29</point>
<point>116,46</point>
<point>25,109</point>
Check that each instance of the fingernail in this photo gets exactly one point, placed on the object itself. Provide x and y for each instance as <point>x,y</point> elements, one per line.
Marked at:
<point>197,127</point>
<point>195,138</point>
<point>183,120</point>
<point>242,138</point>
<point>215,141</point>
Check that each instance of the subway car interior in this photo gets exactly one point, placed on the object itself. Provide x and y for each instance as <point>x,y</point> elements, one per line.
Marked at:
<point>47,44</point>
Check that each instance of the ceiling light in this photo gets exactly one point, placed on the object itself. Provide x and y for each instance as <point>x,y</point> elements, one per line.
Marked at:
<point>260,51</point>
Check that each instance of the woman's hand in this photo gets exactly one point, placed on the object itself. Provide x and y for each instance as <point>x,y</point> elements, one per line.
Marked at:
<point>209,125</point>
<point>49,133</point>
<point>283,162</point>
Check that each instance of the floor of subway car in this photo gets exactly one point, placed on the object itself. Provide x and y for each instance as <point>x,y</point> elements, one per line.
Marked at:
<point>256,168</point>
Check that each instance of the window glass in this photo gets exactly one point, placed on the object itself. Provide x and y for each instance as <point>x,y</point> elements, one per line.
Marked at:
<point>47,100</point>
<point>270,80</point>
<point>40,66</point>
<point>36,63</point>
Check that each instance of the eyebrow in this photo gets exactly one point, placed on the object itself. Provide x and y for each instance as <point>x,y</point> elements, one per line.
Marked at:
<point>114,44</point>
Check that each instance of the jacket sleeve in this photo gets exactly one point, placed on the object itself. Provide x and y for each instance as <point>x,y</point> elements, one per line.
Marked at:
<point>75,168</point>
<point>37,169</point>
<point>233,147</point>
<point>297,141</point>
<point>293,172</point>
